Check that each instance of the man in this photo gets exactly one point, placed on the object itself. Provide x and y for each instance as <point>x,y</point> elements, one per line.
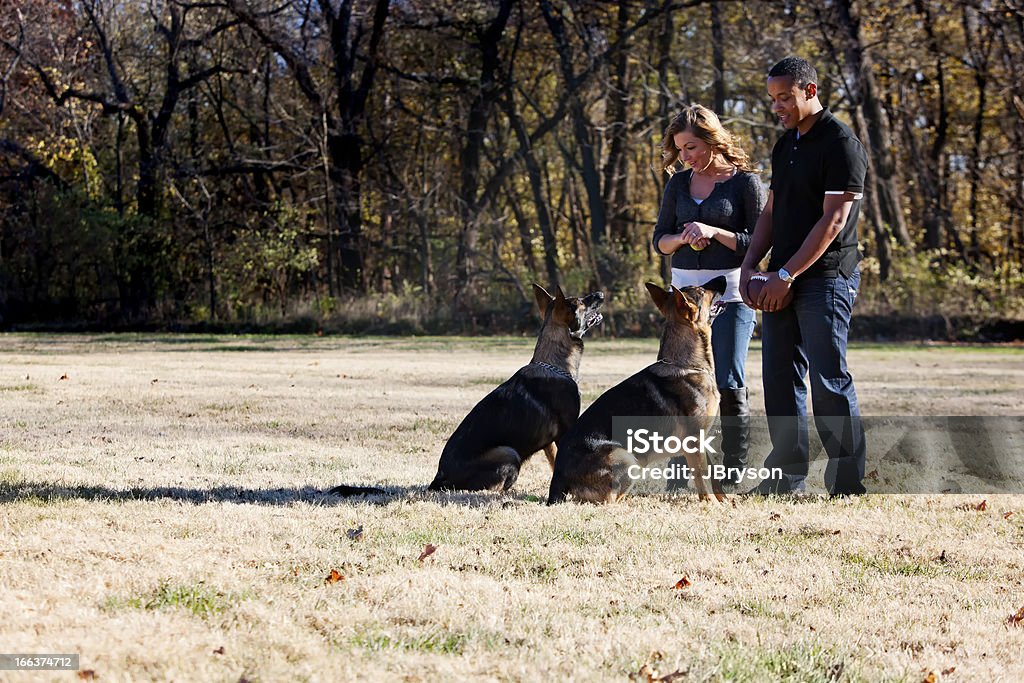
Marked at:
<point>810,225</point>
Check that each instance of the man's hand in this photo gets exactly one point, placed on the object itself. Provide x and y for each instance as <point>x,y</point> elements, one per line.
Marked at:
<point>773,292</point>
<point>745,274</point>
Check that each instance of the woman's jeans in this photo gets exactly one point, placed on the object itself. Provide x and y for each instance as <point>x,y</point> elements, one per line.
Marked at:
<point>730,339</point>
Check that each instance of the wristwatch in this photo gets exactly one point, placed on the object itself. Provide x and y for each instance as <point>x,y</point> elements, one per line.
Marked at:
<point>784,274</point>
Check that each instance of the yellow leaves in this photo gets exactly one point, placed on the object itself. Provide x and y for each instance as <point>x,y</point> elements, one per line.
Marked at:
<point>70,159</point>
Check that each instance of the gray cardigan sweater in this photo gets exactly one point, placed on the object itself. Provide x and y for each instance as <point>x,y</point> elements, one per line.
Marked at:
<point>734,204</point>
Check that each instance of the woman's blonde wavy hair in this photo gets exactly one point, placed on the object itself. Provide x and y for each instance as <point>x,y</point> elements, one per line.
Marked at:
<point>704,125</point>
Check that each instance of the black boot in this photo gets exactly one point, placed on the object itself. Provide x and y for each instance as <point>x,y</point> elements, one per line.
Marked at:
<point>734,411</point>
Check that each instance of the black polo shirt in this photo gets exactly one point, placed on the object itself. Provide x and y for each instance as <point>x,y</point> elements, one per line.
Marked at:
<point>827,159</point>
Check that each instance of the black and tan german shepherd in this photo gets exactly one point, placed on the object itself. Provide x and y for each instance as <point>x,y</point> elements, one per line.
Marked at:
<point>528,412</point>
<point>525,414</point>
<point>592,466</point>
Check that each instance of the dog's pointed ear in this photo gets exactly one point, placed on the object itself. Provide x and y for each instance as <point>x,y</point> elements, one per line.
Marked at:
<point>718,284</point>
<point>543,299</point>
<point>559,298</point>
<point>686,304</point>
<point>658,295</point>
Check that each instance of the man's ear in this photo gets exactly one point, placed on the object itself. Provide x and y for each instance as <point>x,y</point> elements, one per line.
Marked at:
<point>811,90</point>
<point>543,299</point>
<point>658,295</point>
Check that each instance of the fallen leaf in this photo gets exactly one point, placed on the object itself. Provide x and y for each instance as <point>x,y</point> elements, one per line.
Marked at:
<point>428,550</point>
<point>355,534</point>
<point>63,377</point>
<point>645,675</point>
<point>1007,515</point>
<point>946,672</point>
<point>683,583</point>
<point>154,380</point>
<point>930,678</point>
<point>334,577</point>
<point>873,475</point>
<point>980,507</point>
<point>774,516</point>
<point>219,650</point>
<point>942,556</point>
<point>1017,619</point>
<point>87,675</point>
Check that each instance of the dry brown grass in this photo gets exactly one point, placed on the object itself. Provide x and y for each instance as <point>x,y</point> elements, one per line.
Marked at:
<point>162,515</point>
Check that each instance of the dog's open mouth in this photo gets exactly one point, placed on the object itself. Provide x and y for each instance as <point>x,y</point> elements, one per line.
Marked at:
<point>590,321</point>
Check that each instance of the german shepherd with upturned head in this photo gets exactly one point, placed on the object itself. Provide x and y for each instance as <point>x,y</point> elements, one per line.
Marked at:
<point>529,411</point>
<point>591,464</point>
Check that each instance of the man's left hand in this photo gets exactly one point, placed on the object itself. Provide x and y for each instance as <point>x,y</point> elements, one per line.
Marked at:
<point>773,293</point>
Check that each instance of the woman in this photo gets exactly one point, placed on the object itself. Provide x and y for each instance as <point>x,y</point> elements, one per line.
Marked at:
<point>707,216</point>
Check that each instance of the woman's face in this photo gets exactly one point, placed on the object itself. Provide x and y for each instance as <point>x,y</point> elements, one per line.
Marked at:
<point>692,150</point>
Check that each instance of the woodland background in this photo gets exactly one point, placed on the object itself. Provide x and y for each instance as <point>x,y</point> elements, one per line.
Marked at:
<point>405,165</point>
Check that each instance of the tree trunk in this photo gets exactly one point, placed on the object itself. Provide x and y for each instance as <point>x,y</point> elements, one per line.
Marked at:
<point>718,57</point>
<point>979,48</point>
<point>864,91</point>
<point>533,171</point>
<point>883,250</point>
<point>664,57</point>
<point>582,134</point>
<point>616,187</point>
<point>472,151</point>
<point>936,213</point>
<point>523,227</point>
<point>346,168</point>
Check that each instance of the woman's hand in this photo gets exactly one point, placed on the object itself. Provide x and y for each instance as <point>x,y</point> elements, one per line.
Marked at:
<point>698,235</point>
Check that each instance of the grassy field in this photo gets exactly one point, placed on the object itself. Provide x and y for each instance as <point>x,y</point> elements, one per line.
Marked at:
<point>162,513</point>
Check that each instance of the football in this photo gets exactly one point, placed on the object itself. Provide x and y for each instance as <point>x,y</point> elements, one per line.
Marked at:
<point>756,284</point>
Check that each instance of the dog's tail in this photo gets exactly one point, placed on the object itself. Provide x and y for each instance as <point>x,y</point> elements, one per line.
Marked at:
<point>346,491</point>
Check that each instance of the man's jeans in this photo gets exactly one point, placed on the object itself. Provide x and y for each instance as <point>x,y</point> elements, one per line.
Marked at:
<point>730,340</point>
<point>810,334</point>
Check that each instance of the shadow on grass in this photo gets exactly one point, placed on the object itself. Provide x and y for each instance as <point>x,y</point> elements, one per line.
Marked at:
<point>41,493</point>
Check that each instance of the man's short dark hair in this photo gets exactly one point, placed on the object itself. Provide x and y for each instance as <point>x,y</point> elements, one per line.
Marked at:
<point>800,70</point>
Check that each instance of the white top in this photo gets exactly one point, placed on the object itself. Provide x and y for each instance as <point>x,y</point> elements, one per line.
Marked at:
<point>696,278</point>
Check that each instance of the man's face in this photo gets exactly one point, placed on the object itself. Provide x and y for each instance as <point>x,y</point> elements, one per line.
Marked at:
<point>791,103</point>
